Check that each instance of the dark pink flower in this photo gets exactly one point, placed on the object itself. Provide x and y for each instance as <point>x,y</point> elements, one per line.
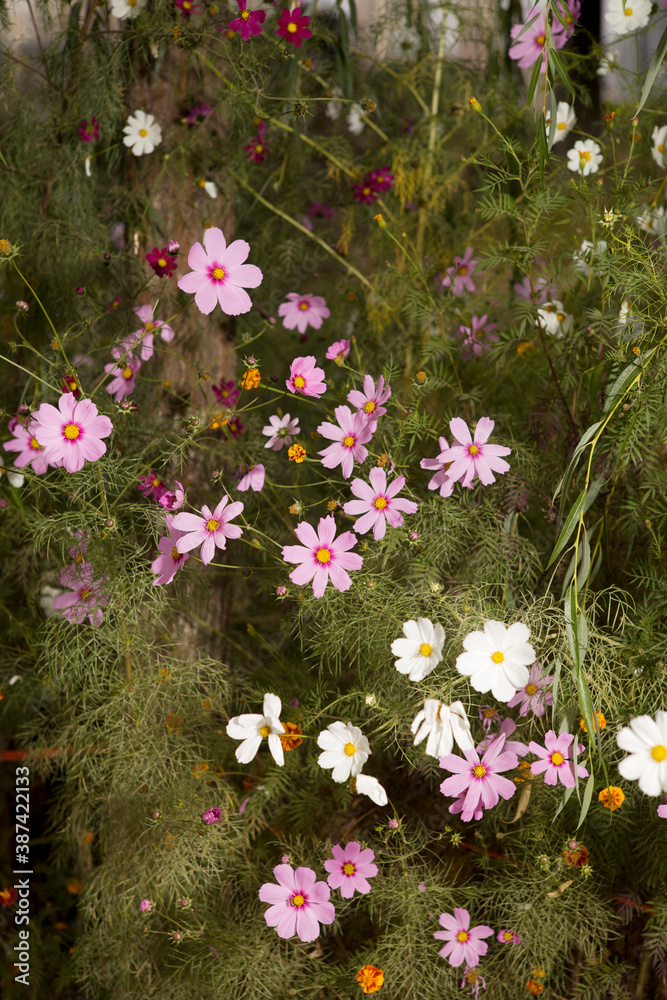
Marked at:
<point>210,530</point>
<point>371,399</point>
<point>186,7</point>
<point>293,26</point>
<point>458,277</point>
<point>378,504</point>
<point>506,936</point>
<point>381,180</point>
<point>555,762</point>
<point>196,114</point>
<point>349,435</point>
<point>145,906</point>
<point>364,193</point>
<point>350,869</point>
<point>162,262</point>
<point>151,483</point>
<point>170,560</point>
<point>464,943</point>
<point>173,499</point>
<point>306,378</point>
<point>88,133</point>
<point>249,22</point>
<point>226,392</point>
<point>302,311</point>
<point>323,557</point>
<point>211,815</point>
<point>257,150</point>
<point>320,210</point>
<point>30,451</point>
<point>479,782</point>
<point>85,595</point>
<point>219,275</point>
<point>299,904</point>
<point>71,434</point>
<point>470,459</point>
<point>534,695</point>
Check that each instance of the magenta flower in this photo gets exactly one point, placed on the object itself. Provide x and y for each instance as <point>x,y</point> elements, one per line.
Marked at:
<point>338,351</point>
<point>71,434</point>
<point>381,180</point>
<point>351,869</point>
<point>258,149</point>
<point>534,695</point>
<point>320,210</point>
<point>30,451</point>
<point>555,762</point>
<point>364,193</point>
<point>464,943</point>
<point>480,780</point>
<point>532,44</point>
<point>211,530</point>
<point>299,904</point>
<point>293,26</point>
<point>349,435</point>
<point>506,936</point>
<point>253,479</point>
<point>470,459</point>
<point>170,560</point>
<point>440,466</point>
<point>378,504</point>
<point>219,275</point>
<point>196,114</point>
<point>506,729</point>
<point>302,311</point>
<point>477,337</point>
<point>124,377</point>
<point>162,262</point>
<point>88,133</point>
<point>151,483</point>
<point>306,378</point>
<point>145,906</point>
<point>323,557</point>
<point>371,399</point>
<point>85,596</point>
<point>280,431</point>
<point>186,7</point>
<point>173,499</point>
<point>458,277</point>
<point>211,816</point>
<point>249,22</point>
<point>226,392</point>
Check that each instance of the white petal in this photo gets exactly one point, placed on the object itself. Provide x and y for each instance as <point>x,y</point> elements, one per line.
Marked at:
<point>366,785</point>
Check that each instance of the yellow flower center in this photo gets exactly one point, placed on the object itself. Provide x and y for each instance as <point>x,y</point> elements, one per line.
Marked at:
<point>150,327</point>
<point>661,148</point>
<point>260,149</point>
<point>473,449</point>
<point>245,14</point>
<point>531,688</point>
<point>497,657</point>
<point>131,3</point>
<point>299,382</point>
<point>175,554</point>
<point>143,133</point>
<point>561,126</point>
<point>370,406</point>
<point>34,443</point>
<point>72,432</point>
<point>659,753</point>
<point>479,771</point>
<point>303,306</point>
<point>560,317</point>
<point>162,262</point>
<point>212,524</point>
<point>348,868</point>
<point>218,273</point>
<point>366,191</point>
<point>507,936</point>
<point>291,27</point>
<point>425,649</point>
<point>350,749</point>
<point>540,39</point>
<point>628,12</point>
<point>348,441</point>
<point>380,503</point>
<point>127,374</point>
<point>557,758</point>
<point>462,936</point>
<point>84,594</point>
<point>584,156</point>
<point>323,556</point>
<point>186,5</point>
<point>265,731</point>
<point>298,900</point>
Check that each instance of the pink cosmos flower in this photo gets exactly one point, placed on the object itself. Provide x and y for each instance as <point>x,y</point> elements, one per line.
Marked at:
<point>474,458</point>
<point>211,816</point>
<point>662,810</point>
<point>249,22</point>
<point>474,981</point>
<point>30,451</point>
<point>306,378</point>
<point>173,499</point>
<point>72,433</point>
<point>145,906</point>
<point>150,327</point>
<point>480,780</point>
<point>253,479</point>
<point>507,727</point>
<point>338,351</point>
<point>219,275</point>
<point>170,560</point>
<point>378,503</point>
<point>196,114</point>
<point>226,392</point>
<point>186,7</point>
<point>211,530</point>
<point>85,596</point>
<point>162,262</point>
<point>124,376</point>
<point>320,210</point>
<point>302,311</point>
<point>299,904</point>
<point>506,936</point>
<point>477,337</point>
<point>458,277</point>
<point>555,762</point>
<point>88,133</point>
<point>349,436</point>
<point>464,943</point>
<point>293,26</point>
<point>281,431</point>
<point>381,180</point>
<point>258,149</point>
<point>151,483</point>
<point>351,869</point>
<point>365,193</point>
<point>440,466</point>
<point>544,290</point>
<point>534,695</point>
<point>323,557</point>
<point>371,399</point>
<point>532,44</point>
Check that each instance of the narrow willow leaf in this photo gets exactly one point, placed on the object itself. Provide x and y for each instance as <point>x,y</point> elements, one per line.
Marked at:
<point>588,795</point>
<point>656,63</point>
<point>566,797</point>
<point>569,526</point>
<point>586,438</point>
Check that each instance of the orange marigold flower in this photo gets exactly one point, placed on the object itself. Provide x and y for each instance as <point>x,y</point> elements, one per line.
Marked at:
<point>525,347</point>
<point>601,722</point>
<point>370,979</point>
<point>292,738</point>
<point>8,896</point>
<point>577,856</point>
<point>200,768</point>
<point>524,772</point>
<point>251,378</point>
<point>611,798</point>
<point>296,453</point>
<point>219,420</point>
<point>534,987</point>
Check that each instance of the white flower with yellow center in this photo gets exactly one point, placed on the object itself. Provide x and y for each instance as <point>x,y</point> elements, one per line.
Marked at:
<point>645,739</point>
<point>565,121</point>
<point>653,221</point>
<point>365,784</point>
<point>346,750</point>
<point>497,659</point>
<point>421,650</point>
<point>142,133</point>
<point>553,318</point>
<point>252,729</point>
<point>442,725</point>
<point>623,19</point>
<point>127,8</point>
<point>659,145</point>
<point>585,157</point>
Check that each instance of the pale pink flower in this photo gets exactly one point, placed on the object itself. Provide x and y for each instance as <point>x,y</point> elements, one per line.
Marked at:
<point>470,458</point>
<point>477,337</point>
<point>124,375</point>
<point>378,503</point>
<point>211,530</point>
<point>299,904</point>
<point>30,451</point>
<point>219,274</point>
<point>349,436</point>
<point>85,596</point>
<point>351,868</point>
<point>458,277</point>
<point>71,434</point>
<point>306,378</point>
<point>141,341</point>
<point>532,44</point>
<point>506,936</point>
<point>170,560</point>
<point>506,729</point>
<point>145,906</point>
<point>173,499</point>
<point>253,479</point>
<point>474,981</point>
<point>662,810</point>
<point>281,431</point>
<point>323,557</point>
<point>338,351</point>
<point>302,311</point>
<point>440,481</point>
<point>479,782</point>
<point>371,399</point>
<point>534,695</point>
<point>464,943</point>
<point>555,762</point>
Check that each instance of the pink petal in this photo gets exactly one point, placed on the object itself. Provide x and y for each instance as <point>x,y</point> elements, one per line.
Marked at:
<point>193,281</point>
<point>215,244</point>
<point>235,254</point>
<point>206,297</point>
<point>234,301</point>
<point>246,275</point>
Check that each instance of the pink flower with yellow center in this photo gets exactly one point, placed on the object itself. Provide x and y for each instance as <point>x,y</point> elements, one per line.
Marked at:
<point>458,277</point>
<point>463,942</point>
<point>478,782</point>
<point>470,458</point>
<point>378,503</point>
<point>219,274</point>
<point>170,560</point>
<point>30,451</point>
<point>85,596</point>
<point>306,378</point>
<point>293,26</point>
<point>124,376</point>
<point>350,869</point>
<point>210,530</point>
<point>302,311</point>
<point>248,22</point>
<point>323,557</point>
<point>299,904</point>
<point>371,399</point>
<point>555,760</point>
<point>72,433</point>
<point>350,435</point>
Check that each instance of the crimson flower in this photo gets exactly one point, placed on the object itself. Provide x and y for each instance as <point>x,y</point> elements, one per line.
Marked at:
<point>293,26</point>
<point>162,262</point>
<point>88,133</point>
<point>249,22</point>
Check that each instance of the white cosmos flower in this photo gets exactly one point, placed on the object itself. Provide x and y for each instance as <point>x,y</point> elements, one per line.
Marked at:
<point>625,313</point>
<point>334,107</point>
<point>252,729</point>
<point>47,596</point>
<point>421,650</point>
<point>652,220</point>
<point>142,133</point>
<point>16,479</point>
<point>442,725</point>
<point>609,62</point>
<point>355,122</point>
<point>497,659</point>
<point>366,785</point>
<point>635,15</point>
<point>565,121</point>
<point>210,187</point>
<point>585,157</point>
<point>346,750</point>
<point>645,739</point>
<point>591,257</point>
<point>659,141</point>
<point>404,44</point>
<point>127,8</point>
<point>554,319</point>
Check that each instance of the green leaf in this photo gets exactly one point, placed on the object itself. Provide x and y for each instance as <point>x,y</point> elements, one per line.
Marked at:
<point>629,375</point>
<point>556,66</point>
<point>588,795</point>
<point>587,436</point>
<point>656,63</point>
<point>569,526</point>
<point>564,801</point>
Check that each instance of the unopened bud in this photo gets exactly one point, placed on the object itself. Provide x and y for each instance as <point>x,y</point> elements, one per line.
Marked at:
<point>474,104</point>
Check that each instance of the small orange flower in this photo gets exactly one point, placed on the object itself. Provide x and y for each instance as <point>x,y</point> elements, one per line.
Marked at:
<point>173,722</point>
<point>524,772</point>
<point>200,768</point>
<point>8,896</point>
<point>611,798</point>
<point>292,738</point>
<point>635,351</point>
<point>219,420</point>
<point>577,857</point>
<point>370,979</point>
<point>88,837</point>
<point>525,347</point>
<point>60,925</point>
<point>601,723</point>
<point>380,221</point>
<point>251,378</point>
<point>534,987</point>
<point>296,453</point>
<point>74,886</point>
<point>421,376</point>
